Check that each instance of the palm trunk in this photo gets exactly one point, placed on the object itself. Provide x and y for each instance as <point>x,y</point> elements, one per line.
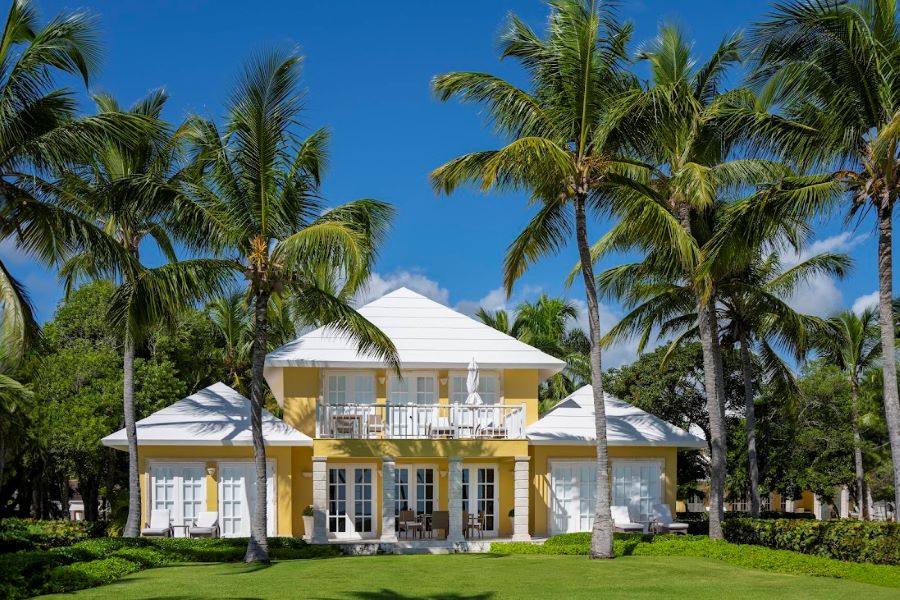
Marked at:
<point>889,365</point>
<point>602,535</point>
<point>258,546</point>
<point>750,424</point>
<point>857,451</point>
<point>133,524</point>
<point>714,383</point>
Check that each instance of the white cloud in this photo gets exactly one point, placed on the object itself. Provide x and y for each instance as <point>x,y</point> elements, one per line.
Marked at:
<point>379,285</point>
<point>820,295</point>
<point>864,302</point>
<point>11,255</point>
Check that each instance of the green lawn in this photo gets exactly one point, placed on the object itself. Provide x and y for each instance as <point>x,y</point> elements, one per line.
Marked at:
<point>476,577</point>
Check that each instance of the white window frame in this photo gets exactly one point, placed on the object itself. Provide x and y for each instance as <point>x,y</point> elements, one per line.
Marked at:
<point>350,532</point>
<point>551,464</point>
<point>473,492</point>
<point>459,397</point>
<point>350,378</point>
<point>412,491</point>
<point>661,462</point>
<point>408,377</point>
<point>271,496</point>
<point>176,513</point>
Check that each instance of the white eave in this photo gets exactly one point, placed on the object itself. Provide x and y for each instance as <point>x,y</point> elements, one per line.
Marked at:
<point>571,422</point>
<point>214,416</point>
<point>427,335</point>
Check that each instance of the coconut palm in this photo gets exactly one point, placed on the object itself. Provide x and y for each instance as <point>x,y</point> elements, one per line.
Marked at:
<point>832,66</point>
<point>752,311</point>
<point>39,132</point>
<point>127,188</point>
<point>688,135</point>
<point>851,341</point>
<point>563,150</point>
<point>255,196</point>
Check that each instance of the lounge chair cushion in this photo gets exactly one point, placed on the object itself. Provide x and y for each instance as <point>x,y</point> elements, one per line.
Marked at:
<point>204,530</point>
<point>151,531</point>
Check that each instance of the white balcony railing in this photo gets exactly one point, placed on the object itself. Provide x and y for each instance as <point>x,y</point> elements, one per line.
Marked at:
<point>420,421</point>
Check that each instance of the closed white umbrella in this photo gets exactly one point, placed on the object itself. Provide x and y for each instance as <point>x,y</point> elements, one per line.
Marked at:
<point>473,398</point>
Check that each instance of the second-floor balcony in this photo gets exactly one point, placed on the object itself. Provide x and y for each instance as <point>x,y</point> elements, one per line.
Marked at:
<point>420,421</point>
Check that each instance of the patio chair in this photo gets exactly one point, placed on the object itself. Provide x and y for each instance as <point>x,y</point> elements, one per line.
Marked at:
<point>440,429</point>
<point>663,521</point>
<point>621,517</point>
<point>474,523</point>
<point>207,525</point>
<point>374,426</point>
<point>160,524</point>
<point>408,523</point>
<point>440,519</point>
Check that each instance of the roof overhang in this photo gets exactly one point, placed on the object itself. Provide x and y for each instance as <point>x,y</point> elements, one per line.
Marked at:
<point>688,445</point>
<point>122,444</point>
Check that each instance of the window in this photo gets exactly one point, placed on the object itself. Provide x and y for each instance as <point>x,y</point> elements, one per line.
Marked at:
<point>413,388</point>
<point>637,485</point>
<point>488,388</point>
<point>179,488</point>
<point>356,388</point>
<point>421,496</point>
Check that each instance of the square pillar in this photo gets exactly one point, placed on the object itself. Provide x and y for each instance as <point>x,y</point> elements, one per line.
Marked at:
<point>320,500</point>
<point>454,500</point>
<point>845,502</point>
<point>789,506</point>
<point>388,499</point>
<point>521,489</point>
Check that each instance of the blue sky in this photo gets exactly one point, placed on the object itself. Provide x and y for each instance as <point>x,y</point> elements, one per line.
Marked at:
<point>367,72</point>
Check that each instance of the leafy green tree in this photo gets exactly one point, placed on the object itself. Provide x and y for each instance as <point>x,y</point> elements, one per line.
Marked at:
<point>832,67</point>
<point>564,150</point>
<point>127,187</point>
<point>851,343</point>
<point>256,195</point>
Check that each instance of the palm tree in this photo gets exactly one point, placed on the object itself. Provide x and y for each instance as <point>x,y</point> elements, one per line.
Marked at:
<point>127,188</point>
<point>39,132</point>
<point>255,195</point>
<point>498,319</point>
<point>851,342</point>
<point>832,65</point>
<point>688,135</point>
<point>563,151</point>
<point>751,310</point>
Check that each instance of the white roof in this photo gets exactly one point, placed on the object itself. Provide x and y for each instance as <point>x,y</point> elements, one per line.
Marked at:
<point>572,422</point>
<point>427,334</point>
<point>214,416</point>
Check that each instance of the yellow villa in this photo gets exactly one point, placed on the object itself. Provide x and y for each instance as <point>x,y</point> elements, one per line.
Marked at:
<point>360,443</point>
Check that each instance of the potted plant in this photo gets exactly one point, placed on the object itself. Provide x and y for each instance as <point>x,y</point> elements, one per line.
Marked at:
<point>512,520</point>
<point>308,522</point>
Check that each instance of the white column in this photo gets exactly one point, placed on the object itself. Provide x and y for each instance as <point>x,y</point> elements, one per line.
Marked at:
<point>845,502</point>
<point>454,500</point>
<point>817,506</point>
<point>388,499</point>
<point>789,506</point>
<point>521,489</point>
<point>320,500</point>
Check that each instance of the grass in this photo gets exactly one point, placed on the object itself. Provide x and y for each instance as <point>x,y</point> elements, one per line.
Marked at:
<point>477,577</point>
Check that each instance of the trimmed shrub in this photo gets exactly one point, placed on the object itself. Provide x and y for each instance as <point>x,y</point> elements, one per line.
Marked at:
<point>32,534</point>
<point>751,557</point>
<point>98,561</point>
<point>848,540</point>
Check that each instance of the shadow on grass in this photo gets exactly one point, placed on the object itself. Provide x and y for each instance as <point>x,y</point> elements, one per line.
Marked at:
<point>386,594</point>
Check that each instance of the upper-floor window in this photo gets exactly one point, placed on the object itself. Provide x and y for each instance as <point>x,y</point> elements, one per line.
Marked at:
<point>356,388</point>
<point>488,387</point>
<point>413,388</point>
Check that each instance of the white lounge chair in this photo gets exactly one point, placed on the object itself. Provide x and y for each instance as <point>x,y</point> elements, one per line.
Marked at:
<point>622,520</point>
<point>160,524</point>
<point>663,521</point>
<point>207,525</point>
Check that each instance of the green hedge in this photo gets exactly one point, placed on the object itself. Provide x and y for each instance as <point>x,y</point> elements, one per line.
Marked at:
<point>32,534</point>
<point>850,540</point>
<point>98,561</point>
<point>746,556</point>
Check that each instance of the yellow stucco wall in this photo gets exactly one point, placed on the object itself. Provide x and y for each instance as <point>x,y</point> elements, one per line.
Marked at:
<point>521,386</point>
<point>539,497</point>
<point>425,448</point>
<point>284,491</point>
<point>301,390</point>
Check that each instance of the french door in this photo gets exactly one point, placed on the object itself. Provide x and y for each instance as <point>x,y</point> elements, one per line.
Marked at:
<point>637,485</point>
<point>416,489</point>
<point>351,506</point>
<point>479,495</point>
<point>181,489</point>
<point>237,498</point>
<point>573,487</point>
